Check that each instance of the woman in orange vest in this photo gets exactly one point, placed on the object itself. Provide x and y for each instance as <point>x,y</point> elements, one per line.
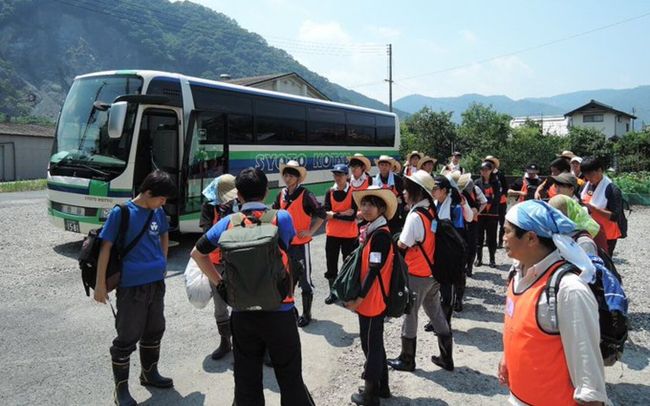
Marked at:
<point>524,188</point>
<point>551,354</point>
<point>386,179</point>
<point>341,229</point>
<point>377,206</point>
<point>302,206</point>
<point>488,220</point>
<point>503,200</point>
<point>605,202</point>
<point>359,168</point>
<point>411,164</point>
<point>418,239</point>
<point>221,196</point>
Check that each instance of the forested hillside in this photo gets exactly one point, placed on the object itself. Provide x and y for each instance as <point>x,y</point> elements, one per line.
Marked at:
<point>44,44</point>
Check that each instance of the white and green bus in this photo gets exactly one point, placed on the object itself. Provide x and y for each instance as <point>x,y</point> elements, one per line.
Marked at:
<point>115,127</point>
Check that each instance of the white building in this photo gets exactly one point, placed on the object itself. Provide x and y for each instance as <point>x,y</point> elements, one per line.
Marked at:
<point>611,122</point>
<point>557,125</point>
<point>291,83</point>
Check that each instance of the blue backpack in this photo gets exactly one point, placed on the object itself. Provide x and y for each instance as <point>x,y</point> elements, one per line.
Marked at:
<point>612,306</point>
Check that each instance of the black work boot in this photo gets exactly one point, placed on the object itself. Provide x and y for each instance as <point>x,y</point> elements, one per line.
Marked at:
<point>332,297</point>
<point>493,263</point>
<point>406,360</point>
<point>121,394</point>
<point>149,355</point>
<point>369,396</point>
<point>446,359</point>
<point>384,390</point>
<point>479,256</point>
<point>224,346</point>
<point>305,319</point>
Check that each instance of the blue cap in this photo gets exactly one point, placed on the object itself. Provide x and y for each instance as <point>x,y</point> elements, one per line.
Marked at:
<point>342,168</point>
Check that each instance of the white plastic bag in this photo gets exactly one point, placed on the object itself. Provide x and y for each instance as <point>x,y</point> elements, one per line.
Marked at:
<point>197,285</point>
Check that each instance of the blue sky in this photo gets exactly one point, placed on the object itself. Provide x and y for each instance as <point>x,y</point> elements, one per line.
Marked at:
<point>437,46</point>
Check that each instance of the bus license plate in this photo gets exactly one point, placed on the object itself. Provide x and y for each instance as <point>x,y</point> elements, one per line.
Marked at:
<point>71,225</point>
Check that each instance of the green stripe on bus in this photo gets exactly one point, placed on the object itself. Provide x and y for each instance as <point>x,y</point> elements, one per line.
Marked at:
<point>98,188</point>
<point>68,185</point>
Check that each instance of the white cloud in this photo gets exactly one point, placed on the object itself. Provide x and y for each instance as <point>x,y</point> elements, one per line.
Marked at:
<point>469,36</point>
<point>382,33</point>
<point>329,32</point>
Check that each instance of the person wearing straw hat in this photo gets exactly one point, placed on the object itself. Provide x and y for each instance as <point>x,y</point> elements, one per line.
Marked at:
<point>397,167</point>
<point>427,164</point>
<point>386,179</point>
<point>567,155</point>
<point>341,229</point>
<point>454,163</point>
<point>221,195</point>
<point>308,215</point>
<point>503,201</point>
<point>524,188</point>
<point>411,164</point>
<point>477,202</point>
<point>488,220</point>
<point>359,168</point>
<point>418,239</point>
<point>559,340</point>
<point>377,206</point>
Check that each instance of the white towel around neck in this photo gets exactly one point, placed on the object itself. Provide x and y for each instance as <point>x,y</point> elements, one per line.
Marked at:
<point>598,198</point>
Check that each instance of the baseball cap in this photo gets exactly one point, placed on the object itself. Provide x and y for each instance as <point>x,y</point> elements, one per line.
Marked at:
<point>340,168</point>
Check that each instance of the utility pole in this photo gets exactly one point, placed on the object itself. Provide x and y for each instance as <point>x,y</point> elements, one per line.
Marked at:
<point>390,77</point>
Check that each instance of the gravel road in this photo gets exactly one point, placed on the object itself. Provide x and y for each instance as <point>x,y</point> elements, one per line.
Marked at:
<point>54,341</point>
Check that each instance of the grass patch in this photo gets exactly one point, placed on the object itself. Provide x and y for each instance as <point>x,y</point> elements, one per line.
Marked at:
<point>23,185</point>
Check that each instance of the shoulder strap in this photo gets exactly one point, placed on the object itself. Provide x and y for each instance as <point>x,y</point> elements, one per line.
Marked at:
<point>428,215</point>
<point>124,224</point>
<point>552,287</point>
<point>137,238</point>
<point>268,216</point>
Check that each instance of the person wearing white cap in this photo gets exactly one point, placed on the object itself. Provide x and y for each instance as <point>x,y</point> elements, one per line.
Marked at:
<point>221,195</point>
<point>575,168</point>
<point>551,348</point>
<point>418,239</point>
<point>303,208</point>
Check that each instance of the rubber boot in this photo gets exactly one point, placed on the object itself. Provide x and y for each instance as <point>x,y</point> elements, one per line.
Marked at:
<point>121,395</point>
<point>332,297</point>
<point>446,359</point>
<point>369,396</point>
<point>305,319</point>
<point>458,304</point>
<point>406,360</point>
<point>224,346</point>
<point>479,256</point>
<point>384,389</point>
<point>493,263</point>
<point>149,355</point>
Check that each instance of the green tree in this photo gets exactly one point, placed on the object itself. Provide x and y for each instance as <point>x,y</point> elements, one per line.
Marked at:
<point>484,131</point>
<point>585,141</point>
<point>528,145</point>
<point>428,131</point>
<point>633,152</point>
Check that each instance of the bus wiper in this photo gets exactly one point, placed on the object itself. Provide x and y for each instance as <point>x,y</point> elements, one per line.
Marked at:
<point>92,169</point>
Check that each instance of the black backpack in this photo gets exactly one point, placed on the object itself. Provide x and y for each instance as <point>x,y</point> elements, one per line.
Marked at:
<point>89,253</point>
<point>450,252</point>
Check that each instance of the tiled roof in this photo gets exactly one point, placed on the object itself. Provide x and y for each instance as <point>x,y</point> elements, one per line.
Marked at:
<point>32,130</point>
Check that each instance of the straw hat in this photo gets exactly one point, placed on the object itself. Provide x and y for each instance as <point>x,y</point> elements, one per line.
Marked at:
<point>566,155</point>
<point>360,157</point>
<point>424,179</point>
<point>408,157</point>
<point>384,194</point>
<point>454,176</point>
<point>463,181</point>
<point>397,167</point>
<point>226,190</point>
<point>426,159</point>
<point>494,160</point>
<point>294,165</point>
<point>385,158</point>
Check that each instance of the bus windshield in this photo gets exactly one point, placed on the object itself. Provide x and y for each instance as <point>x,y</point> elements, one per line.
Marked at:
<point>82,140</point>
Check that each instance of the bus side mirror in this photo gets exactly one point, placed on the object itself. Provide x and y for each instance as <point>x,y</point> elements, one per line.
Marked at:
<point>116,118</point>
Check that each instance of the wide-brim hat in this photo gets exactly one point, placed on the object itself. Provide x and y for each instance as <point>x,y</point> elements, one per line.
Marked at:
<point>576,159</point>
<point>397,166</point>
<point>226,190</point>
<point>494,160</point>
<point>294,165</point>
<point>426,159</point>
<point>384,194</point>
<point>454,176</point>
<point>384,158</point>
<point>566,154</point>
<point>463,181</point>
<point>424,179</point>
<point>408,157</point>
<point>361,158</point>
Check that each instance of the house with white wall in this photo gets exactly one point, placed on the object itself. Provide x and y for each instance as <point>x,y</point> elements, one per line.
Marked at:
<point>556,125</point>
<point>611,122</point>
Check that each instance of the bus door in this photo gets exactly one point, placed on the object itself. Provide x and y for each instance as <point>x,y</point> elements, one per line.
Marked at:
<point>159,143</point>
<point>204,160</point>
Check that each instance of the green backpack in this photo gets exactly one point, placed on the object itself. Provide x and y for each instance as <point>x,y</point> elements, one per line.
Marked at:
<point>254,277</point>
<point>347,284</point>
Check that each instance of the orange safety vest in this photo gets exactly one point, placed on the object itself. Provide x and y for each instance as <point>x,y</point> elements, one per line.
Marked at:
<point>373,304</point>
<point>363,186</point>
<point>524,190</point>
<point>341,228</point>
<point>612,231</point>
<point>301,220</point>
<point>215,256</point>
<point>473,196</point>
<point>489,193</point>
<point>537,369</point>
<point>552,191</point>
<point>392,188</point>
<point>285,257</point>
<point>415,260</point>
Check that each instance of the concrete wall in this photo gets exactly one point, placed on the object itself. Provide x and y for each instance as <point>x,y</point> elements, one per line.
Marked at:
<point>24,157</point>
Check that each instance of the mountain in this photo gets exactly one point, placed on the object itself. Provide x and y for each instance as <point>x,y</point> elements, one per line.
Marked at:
<point>621,99</point>
<point>44,44</point>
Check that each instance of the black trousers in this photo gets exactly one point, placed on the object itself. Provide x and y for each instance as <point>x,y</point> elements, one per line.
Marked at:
<point>448,298</point>
<point>611,245</point>
<point>334,246</point>
<point>255,332</point>
<point>487,230</point>
<point>503,208</point>
<point>371,333</point>
<point>470,239</point>
<point>140,317</point>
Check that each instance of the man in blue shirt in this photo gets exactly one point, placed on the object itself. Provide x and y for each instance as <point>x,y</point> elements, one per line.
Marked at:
<point>256,331</point>
<point>141,292</point>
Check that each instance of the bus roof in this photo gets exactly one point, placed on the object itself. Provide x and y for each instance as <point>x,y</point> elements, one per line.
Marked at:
<point>149,74</point>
